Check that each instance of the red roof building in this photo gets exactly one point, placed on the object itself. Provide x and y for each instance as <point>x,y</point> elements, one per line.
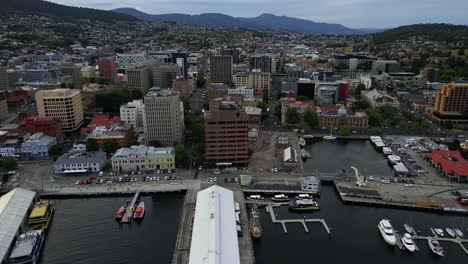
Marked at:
<point>48,125</point>
<point>17,97</point>
<point>100,120</point>
<point>450,164</point>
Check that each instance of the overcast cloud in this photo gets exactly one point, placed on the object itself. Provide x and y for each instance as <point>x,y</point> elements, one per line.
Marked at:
<point>351,13</point>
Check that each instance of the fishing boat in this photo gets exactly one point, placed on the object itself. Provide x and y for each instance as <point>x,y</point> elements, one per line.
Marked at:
<point>41,215</point>
<point>330,137</point>
<point>254,224</point>
<point>458,232</point>
<point>410,229</point>
<point>435,247</point>
<point>386,230</point>
<point>439,232</point>
<point>408,243</point>
<point>450,232</point>
<point>139,211</point>
<point>302,142</point>
<point>280,198</point>
<point>304,205</point>
<point>27,247</point>
<point>120,213</point>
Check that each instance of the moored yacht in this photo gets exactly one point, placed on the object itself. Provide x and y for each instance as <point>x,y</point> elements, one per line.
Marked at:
<point>435,247</point>
<point>407,241</point>
<point>139,211</point>
<point>280,198</point>
<point>302,142</point>
<point>459,232</point>
<point>439,232</point>
<point>27,248</point>
<point>386,230</point>
<point>304,205</point>
<point>450,232</point>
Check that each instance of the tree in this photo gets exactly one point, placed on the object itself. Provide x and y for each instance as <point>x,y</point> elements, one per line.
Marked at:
<point>201,81</point>
<point>311,118</point>
<point>155,143</point>
<point>359,88</point>
<point>91,145</point>
<point>136,94</point>
<point>180,154</point>
<point>278,111</point>
<point>186,102</point>
<point>292,116</point>
<point>198,130</point>
<point>375,118</point>
<point>359,105</point>
<point>118,50</point>
<point>55,150</point>
<point>110,146</point>
<point>265,94</point>
<point>302,98</point>
<point>9,163</point>
<point>344,131</point>
<point>198,153</point>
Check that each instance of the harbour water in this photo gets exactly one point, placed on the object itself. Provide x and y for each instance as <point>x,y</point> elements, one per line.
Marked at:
<point>355,237</point>
<point>84,231</point>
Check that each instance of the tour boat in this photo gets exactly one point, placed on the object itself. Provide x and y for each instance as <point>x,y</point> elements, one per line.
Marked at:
<point>450,232</point>
<point>139,211</point>
<point>41,215</point>
<point>435,247</point>
<point>280,198</point>
<point>27,247</point>
<point>386,230</point>
<point>407,241</point>
<point>120,213</point>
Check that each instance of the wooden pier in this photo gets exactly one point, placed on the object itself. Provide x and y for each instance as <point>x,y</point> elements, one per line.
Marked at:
<point>456,240</point>
<point>303,221</point>
<point>128,215</point>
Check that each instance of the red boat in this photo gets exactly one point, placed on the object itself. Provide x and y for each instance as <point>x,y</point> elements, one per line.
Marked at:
<point>139,211</point>
<point>463,200</point>
<point>120,213</point>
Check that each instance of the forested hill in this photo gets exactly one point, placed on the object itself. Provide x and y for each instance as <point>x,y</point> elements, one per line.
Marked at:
<point>437,32</point>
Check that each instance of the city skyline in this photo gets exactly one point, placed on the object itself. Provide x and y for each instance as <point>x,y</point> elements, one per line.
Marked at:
<point>350,13</point>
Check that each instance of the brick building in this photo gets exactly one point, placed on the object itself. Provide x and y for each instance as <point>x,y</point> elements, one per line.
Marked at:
<point>48,125</point>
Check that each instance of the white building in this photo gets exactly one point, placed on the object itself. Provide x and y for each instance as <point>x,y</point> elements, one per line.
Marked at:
<point>124,59</point>
<point>214,235</point>
<point>132,113</point>
<point>80,162</point>
<point>376,99</point>
<point>246,92</point>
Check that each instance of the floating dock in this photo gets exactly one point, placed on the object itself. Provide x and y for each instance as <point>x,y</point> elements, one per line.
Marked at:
<point>128,215</point>
<point>456,240</point>
<point>304,221</point>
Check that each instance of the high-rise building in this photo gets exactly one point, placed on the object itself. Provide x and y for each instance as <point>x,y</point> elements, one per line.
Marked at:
<point>3,105</point>
<point>64,104</point>
<point>256,80</point>
<point>183,86</point>
<point>4,85</point>
<point>235,53</point>
<point>130,58</point>
<point>139,75</point>
<point>88,71</point>
<point>227,135</point>
<point>132,113</point>
<point>451,104</point>
<point>221,69</point>
<point>107,68</point>
<point>263,63</point>
<point>164,74</point>
<point>163,117</point>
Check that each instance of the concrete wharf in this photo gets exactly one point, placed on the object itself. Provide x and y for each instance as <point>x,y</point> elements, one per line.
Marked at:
<point>128,215</point>
<point>304,221</point>
<point>184,236</point>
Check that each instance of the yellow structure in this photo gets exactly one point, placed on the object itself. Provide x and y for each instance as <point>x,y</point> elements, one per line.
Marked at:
<point>64,104</point>
<point>40,215</point>
<point>451,104</point>
<point>256,80</point>
<point>162,161</point>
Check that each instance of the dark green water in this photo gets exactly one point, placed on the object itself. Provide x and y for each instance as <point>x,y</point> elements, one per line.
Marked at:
<point>84,231</point>
<point>355,237</point>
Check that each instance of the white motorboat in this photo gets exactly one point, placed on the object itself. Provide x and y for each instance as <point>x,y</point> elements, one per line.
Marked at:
<point>303,196</point>
<point>280,198</point>
<point>458,232</point>
<point>302,142</point>
<point>330,137</point>
<point>439,232</point>
<point>450,232</point>
<point>409,229</point>
<point>386,230</point>
<point>407,241</point>
<point>255,197</point>
<point>435,247</point>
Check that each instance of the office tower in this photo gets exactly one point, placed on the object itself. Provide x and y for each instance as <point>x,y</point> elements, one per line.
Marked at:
<point>163,117</point>
<point>3,105</point>
<point>221,69</point>
<point>4,84</point>
<point>235,53</point>
<point>451,104</point>
<point>164,74</point>
<point>64,104</point>
<point>130,58</point>
<point>139,75</point>
<point>263,64</point>
<point>107,68</point>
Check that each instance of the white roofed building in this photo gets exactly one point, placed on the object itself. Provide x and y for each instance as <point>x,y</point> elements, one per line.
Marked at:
<point>214,235</point>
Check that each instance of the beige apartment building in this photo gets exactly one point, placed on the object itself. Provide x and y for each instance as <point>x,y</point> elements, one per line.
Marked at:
<point>451,104</point>
<point>256,80</point>
<point>64,104</point>
<point>163,118</point>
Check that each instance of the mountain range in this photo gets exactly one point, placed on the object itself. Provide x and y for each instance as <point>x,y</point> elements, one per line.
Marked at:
<point>264,21</point>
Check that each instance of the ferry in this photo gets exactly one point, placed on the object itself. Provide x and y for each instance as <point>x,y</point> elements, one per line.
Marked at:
<point>139,211</point>
<point>254,224</point>
<point>41,215</point>
<point>408,243</point>
<point>435,247</point>
<point>27,248</point>
<point>120,213</point>
<point>280,198</point>
<point>304,205</point>
<point>386,230</point>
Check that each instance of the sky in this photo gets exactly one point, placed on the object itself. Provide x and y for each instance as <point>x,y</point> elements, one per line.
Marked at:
<point>350,13</point>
